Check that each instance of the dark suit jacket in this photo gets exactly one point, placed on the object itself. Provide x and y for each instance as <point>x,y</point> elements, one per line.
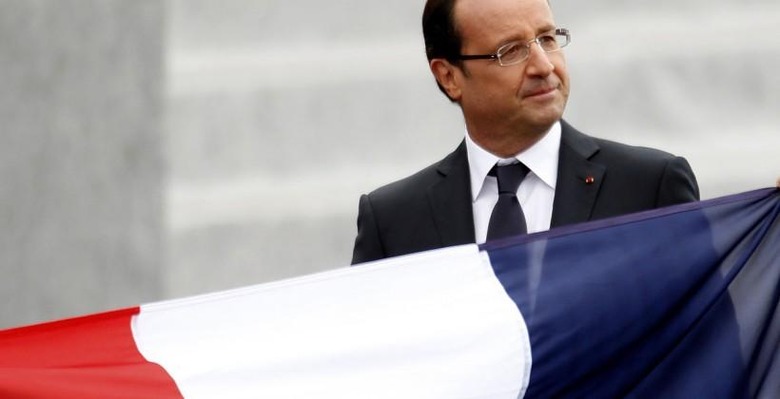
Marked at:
<point>432,208</point>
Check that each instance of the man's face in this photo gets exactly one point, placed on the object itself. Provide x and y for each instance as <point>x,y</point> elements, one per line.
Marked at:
<point>526,97</point>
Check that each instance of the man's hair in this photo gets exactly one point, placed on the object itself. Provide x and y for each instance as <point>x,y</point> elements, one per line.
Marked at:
<point>442,39</point>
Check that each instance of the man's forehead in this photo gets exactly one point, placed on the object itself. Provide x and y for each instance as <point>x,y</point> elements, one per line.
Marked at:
<point>489,12</point>
<point>494,16</point>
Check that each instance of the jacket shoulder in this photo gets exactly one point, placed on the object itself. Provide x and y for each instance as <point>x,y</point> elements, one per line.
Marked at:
<point>414,186</point>
<point>642,173</point>
<point>666,178</point>
<point>632,154</point>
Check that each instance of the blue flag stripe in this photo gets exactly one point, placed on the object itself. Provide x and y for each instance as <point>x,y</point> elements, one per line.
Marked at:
<point>663,303</point>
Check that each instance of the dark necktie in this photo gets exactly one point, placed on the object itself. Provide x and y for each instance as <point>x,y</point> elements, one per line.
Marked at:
<point>507,218</point>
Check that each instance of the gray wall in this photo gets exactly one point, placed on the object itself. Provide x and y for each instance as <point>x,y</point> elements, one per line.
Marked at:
<point>81,165</point>
<point>282,113</point>
<point>226,143</point>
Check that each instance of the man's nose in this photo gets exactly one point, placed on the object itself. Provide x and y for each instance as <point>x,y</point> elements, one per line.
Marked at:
<point>539,61</point>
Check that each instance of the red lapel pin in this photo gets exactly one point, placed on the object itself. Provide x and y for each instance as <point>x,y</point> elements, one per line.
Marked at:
<point>590,180</point>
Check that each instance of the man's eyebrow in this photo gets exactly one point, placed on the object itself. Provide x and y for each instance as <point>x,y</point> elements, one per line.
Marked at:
<point>545,29</point>
<point>521,38</point>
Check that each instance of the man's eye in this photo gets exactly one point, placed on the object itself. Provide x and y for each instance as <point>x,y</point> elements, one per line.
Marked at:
<point>548,42</point>
<point>511,51</point>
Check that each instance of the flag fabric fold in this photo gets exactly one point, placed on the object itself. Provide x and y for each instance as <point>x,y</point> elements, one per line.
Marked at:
<point>679,302</point>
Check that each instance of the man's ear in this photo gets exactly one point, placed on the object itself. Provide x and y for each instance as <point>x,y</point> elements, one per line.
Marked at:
<point>448,77</point>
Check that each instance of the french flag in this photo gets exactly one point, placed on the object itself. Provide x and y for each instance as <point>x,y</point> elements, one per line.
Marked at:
<point>681,302</point>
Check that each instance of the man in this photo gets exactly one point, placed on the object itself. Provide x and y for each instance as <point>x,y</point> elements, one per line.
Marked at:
<point>501,62</point>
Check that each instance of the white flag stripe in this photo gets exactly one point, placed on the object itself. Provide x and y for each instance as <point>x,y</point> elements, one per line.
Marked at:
<point>432,325</point>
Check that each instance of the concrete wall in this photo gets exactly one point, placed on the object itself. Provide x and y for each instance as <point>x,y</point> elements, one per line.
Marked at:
<point>282,113</point>
<point>81,198</point>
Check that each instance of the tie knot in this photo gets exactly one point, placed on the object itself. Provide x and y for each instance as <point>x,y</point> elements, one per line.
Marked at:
<point>509,177</point>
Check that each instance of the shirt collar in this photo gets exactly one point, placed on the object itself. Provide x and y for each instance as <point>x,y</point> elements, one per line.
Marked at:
<point>541,158</point>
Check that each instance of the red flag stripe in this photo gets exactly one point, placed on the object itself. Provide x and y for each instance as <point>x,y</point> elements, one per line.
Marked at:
<point>86,357</point>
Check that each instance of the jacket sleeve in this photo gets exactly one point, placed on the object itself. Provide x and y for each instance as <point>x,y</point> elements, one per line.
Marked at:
<point>678,184</point>
<point>368,245</point>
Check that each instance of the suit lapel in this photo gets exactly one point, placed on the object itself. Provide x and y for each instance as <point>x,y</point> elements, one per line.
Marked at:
<point>579,179</point>
<point>450,200</point>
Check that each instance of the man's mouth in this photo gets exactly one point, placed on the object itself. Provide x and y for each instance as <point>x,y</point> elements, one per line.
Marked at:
<point>542,91</point>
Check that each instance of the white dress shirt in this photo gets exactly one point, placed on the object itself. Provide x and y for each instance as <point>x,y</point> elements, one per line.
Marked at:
<point>536,192</point>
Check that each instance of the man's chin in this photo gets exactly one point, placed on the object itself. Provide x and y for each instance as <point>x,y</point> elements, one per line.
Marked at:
<point>547,118</point>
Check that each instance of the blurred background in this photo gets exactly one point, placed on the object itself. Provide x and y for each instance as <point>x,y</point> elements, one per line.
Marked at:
<point>154,149</point>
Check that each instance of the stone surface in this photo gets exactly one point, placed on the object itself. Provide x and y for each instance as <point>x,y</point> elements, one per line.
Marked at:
<point>81,165</point>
